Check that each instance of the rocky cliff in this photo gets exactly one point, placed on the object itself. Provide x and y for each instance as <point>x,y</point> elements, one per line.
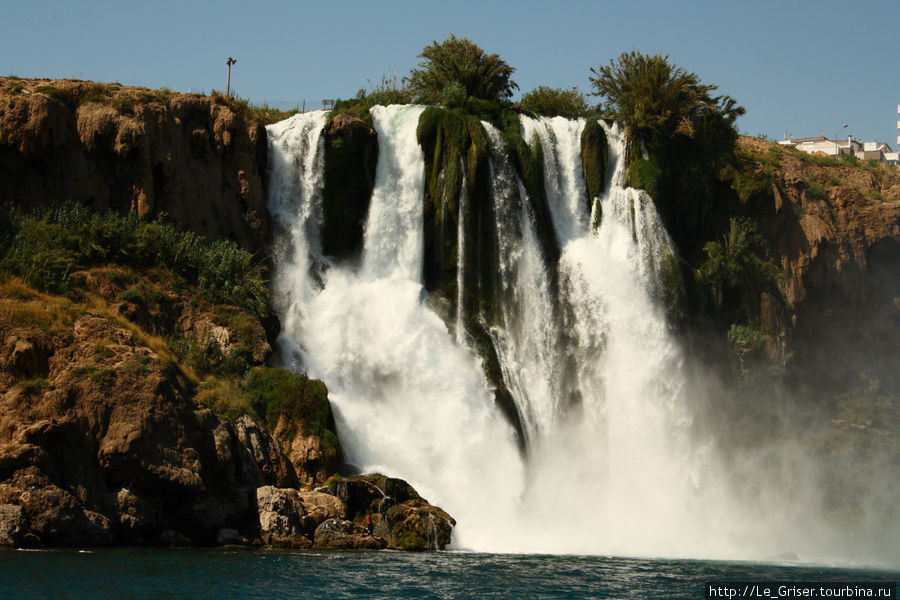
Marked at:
<point>198,158</point>
<point>135,407</point>
<point>110,433</point>
<point>832,229</point>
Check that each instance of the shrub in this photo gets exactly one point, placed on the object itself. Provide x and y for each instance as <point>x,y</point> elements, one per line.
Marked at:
<point>274,393</point>
<point>553,102</point>
<point>225,397</point>
<point>159,96</point>
<point>815,190</point>
<point>744,340</point>
<point>266,114</point>
<point>33,387</point>
<point>359,105</point>
<point>104,378</point>
<point>46,247</point>
<point>53,92</point>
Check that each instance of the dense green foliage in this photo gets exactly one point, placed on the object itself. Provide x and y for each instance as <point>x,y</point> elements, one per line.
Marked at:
<point>738,258</point>
<point>556,102</point>
<point>276,393</point>
<point>45,248</point>
<point>654,97</point>
<point>458,64</point>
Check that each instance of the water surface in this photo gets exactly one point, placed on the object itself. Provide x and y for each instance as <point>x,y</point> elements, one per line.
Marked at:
<point>224,574</point>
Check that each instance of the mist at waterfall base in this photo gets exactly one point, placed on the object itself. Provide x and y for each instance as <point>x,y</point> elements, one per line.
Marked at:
<point>631,466</point>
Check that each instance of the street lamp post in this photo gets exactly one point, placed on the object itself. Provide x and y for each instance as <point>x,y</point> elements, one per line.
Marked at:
<point>231,61</point>
<point>837,152</point>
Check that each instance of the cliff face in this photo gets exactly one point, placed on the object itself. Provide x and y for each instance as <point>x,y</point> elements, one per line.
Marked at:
<point>105,440</point>
<point>201,159</point>
<point>833,228</point>
<point>101,440</point>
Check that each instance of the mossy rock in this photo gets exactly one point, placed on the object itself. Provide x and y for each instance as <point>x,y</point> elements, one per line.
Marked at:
<point>594,157</point>
<point>457,172</point>
<point>670,281</point>
<point>299,402</point>
<point>484,346</point>
<point>528,162</point>
<point>351,157</point>
<point>415,526</point>
<point>644,174</point>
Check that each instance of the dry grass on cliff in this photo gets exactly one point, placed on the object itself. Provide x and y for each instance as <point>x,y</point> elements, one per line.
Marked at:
<point>23,305</point>
<point>125,99</point>
<point>820,174</point>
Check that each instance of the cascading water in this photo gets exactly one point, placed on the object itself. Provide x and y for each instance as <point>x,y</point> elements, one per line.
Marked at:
<point>583,344</point>
<point>409,402</point>
<point>563,179</point>
<point>526,338</point>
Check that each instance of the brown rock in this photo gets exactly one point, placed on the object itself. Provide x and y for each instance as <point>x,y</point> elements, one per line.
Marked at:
<point>280,514</point>
<point>57,518</point>
<point>345,535</point>
<point>349,125</point>
<point>403,518</point>
<point>27,360</point>
<point>266,464</point>
<point>319,507</point>
<point>12,525</point>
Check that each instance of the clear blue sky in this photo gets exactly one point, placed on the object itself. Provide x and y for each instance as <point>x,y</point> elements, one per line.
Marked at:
<point>795,66</point>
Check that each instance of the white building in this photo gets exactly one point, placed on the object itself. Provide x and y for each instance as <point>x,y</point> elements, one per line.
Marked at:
<point>878,151</point>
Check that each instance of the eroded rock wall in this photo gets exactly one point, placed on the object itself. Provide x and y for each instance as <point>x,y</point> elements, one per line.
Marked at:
<point>200,159</point>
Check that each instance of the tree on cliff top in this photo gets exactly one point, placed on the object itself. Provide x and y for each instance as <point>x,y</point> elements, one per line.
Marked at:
<point>553,102</point>
<point>656,99</point>
<point>458,64</point>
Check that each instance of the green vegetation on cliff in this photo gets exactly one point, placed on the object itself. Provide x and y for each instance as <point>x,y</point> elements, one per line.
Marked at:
<point>680,135</point>
<point>557,102</point>
<point>45,248</point>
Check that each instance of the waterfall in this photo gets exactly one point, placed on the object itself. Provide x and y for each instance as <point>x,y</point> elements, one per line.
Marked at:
<point>409,402</point>
<point>393,235</point>
<point>526,339</point>
<point>296,167</point>
<point>560,140</point>
<point>461,256</point>
<point>582,340</point>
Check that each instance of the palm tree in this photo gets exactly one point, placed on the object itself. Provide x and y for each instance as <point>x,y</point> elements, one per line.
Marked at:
<point>456,65</point>
<point>656,98</point>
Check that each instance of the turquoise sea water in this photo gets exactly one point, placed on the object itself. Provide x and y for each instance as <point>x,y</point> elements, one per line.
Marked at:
<point>225,574</point>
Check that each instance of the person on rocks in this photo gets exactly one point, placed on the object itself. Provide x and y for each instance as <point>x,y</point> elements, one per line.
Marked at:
<point>370,525</point>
